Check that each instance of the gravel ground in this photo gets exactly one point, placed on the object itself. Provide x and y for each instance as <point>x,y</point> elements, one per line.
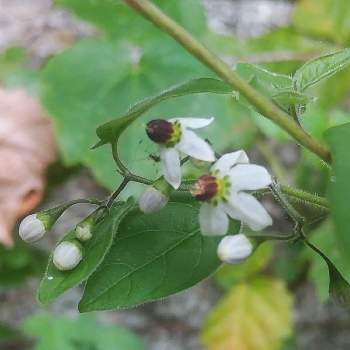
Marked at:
<point>174,323</point>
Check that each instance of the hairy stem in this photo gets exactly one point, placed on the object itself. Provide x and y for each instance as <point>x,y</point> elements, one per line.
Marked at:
<point>305,196</point>
<point>264,105</point>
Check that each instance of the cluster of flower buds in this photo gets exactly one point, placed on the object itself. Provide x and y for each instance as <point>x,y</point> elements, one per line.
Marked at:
<point>224,192</point>
<point>68,253</point>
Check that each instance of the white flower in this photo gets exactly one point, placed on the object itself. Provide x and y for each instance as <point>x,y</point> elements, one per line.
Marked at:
<point>152,200</point>
<point>31,228</point>
<point>223,194</point>
<point>174,136</point>
<point>67,255</point>
<point>235,249</point>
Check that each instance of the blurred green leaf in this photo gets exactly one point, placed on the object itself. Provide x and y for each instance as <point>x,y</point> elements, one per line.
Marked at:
<point>55,332</point>
<point>338,139</point>
<point>19,263</point>
<point>10,61</point>
<point>253,315</point>
<point>228,275</point>
<point>320,68</point>
<point>56,282</point>
<point>118,20</point>
<point>328,19</point>
<point>153,256</point>
<point>7,333</point>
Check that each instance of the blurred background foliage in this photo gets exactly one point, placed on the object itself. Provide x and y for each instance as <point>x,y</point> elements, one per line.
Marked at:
<point>128,59</point>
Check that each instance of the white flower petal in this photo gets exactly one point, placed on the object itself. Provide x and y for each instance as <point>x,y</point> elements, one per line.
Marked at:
<point>213,220</point>
<point>249,177</point>
<point>244,207</point>
<point>235,249</point>
<point>170,164</point>
<point>192,145</point>
<point>193,123</point>
<point>227,161</point>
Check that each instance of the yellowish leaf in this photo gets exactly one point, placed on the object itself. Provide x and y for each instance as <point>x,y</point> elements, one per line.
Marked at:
<point>256,315</point>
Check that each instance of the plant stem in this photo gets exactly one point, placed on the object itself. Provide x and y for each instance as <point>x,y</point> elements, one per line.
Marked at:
<point>305,196</point>
<point>116,193</point>
<point>124,170</point>
<point>266,107</point>
<point>302,196</point>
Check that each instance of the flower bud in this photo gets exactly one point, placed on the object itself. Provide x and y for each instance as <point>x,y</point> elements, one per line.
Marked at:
<point>155,197</point>
<point>67,255</point>
<point>159,130</point>
<point>152,200</point>
<point>32,228</point>
<point>83,230</point>
<point>235,249</point>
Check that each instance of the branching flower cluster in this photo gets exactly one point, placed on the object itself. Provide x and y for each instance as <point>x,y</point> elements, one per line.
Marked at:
<point>224,193</point>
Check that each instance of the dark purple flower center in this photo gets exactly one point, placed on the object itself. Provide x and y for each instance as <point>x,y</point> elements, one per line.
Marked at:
<point>159,130</point>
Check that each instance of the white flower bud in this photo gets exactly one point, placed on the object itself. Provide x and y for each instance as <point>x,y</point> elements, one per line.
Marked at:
<point>235,249</point>
<point>83,231</point>
<point>31,228</point>
<point>67,255</point>
<point>152,200</point>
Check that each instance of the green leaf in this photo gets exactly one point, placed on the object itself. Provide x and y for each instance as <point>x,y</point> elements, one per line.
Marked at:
<point>19,263</point>
<point>268,83</point>
<point>320,68</point>
<point>338,139</point>
<point>56,282</point>
<point>253,315</point>
<point>152,256</point>
<point>111,131</point>
<point>10,61</point>
<point>229,275</point>
<point>7,333</point>
<point>324,19</point>
<point>54,332</point>
<point>292,98</point>
<point>324,238</point>
<point>119,21</point>
<point>339,288</point>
